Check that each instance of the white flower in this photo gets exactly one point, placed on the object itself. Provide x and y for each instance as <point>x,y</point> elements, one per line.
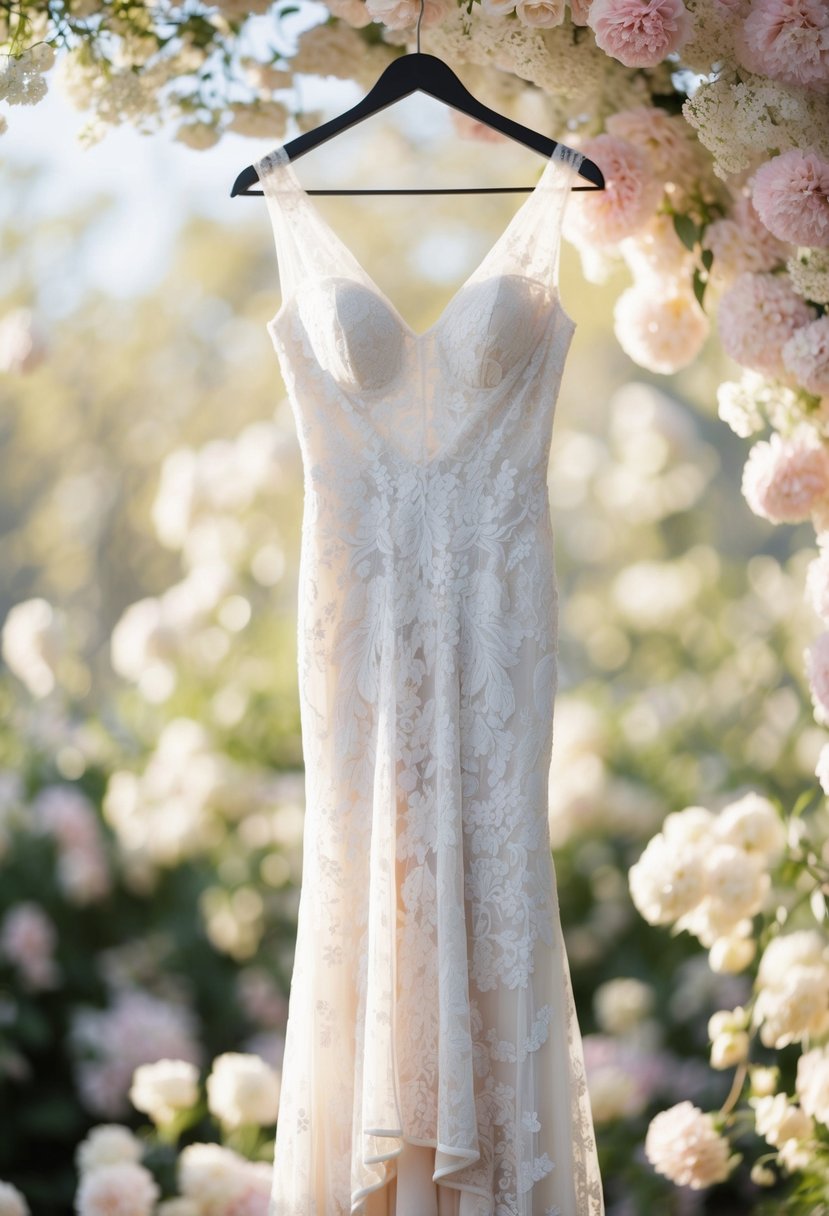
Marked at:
<point>33,642</point>
<point>540,13</point>
<point>666,881</point>
<point>243,1088</point>
<point>729,1049</point>
<point>764,1080</point>
<point>107,1144</point>
<point>798,1005</point>
<point>812,1083</point>
<point>621,1004</point>
<point>806,947</point>
<point>683,1145</point>
<point>207,1173</point>
<point>125,1189</point>
<point>12,1201</point>
<point>731,953</point>
<point>736,882</point>
<point>164,1088</point>
<point>752,823</point>
<point>692,825</point>
<point>777,1120</point>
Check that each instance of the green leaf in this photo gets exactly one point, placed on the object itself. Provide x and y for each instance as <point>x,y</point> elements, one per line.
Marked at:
<point>707,258</point>
<point>686,230</point>
<point>699,287</point>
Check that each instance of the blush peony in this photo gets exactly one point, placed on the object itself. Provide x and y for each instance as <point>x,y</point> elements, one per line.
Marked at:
<point>660,332</point>
<point>791,195</point>
<point>639,33</point>
<point>683,1144</point>
<point>629,201</point>
<point>784,480</point>
<point>787,40</point>
<point>580,11</point>
<point>757,316</point>
<point>806,356</point>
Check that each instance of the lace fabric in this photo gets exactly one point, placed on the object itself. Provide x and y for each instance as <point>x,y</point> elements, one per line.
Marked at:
<point>433,1060</point>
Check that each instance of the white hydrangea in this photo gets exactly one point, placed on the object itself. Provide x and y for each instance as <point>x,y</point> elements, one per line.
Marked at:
<point>809,273</point>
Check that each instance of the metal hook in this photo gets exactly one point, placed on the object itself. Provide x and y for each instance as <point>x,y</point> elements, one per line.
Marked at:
<point>419,19</point>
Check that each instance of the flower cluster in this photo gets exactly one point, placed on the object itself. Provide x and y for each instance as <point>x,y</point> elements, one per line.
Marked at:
<point>710,874</point>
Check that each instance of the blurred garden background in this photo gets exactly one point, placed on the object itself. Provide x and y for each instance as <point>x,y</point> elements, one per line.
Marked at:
<point>151,782</point>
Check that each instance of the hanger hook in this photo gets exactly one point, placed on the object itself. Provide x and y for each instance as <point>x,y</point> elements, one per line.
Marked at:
<point>419,19</point>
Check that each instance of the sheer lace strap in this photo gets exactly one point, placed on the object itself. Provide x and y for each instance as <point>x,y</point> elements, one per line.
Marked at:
<point>284,195</point>
<point>529,246</point>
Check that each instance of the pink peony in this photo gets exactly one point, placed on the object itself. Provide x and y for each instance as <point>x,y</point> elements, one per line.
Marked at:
<point>579,11</point>
<point>666,138</point>
<point>784,480</point>
<point>757,316</point>
<point>817,670</point>
<point>791,195</point>
<point>639,33</point>
<point>629,201</point>
<point>787,40</point>
<point>742,242</point>
<point>806,356</point>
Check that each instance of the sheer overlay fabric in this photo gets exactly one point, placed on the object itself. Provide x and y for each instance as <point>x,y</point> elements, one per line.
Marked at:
<point>433,1061</point>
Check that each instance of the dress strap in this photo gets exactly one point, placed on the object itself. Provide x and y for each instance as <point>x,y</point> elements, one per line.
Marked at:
<point>530,244</point>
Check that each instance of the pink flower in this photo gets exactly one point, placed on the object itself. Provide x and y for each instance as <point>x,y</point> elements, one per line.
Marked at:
<point>639,33</point>
<point>817,669</point>
<point>122,1189</point>
<point>631,196</point>
<point>806,356</point>
<point>784,480</point>
<point>660,332</point>
<point>579,11</point>
<point>787,40</point>
<point>742,242</point>
<point>757,316</point>
<point>665,138</point>
<point>28,939</point>
<point>791,195</point>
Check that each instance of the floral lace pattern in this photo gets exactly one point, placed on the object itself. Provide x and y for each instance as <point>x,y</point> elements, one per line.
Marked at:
<point>431,1002</point>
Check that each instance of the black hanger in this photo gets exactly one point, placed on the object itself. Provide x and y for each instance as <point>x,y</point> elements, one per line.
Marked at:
<point>407,74</point>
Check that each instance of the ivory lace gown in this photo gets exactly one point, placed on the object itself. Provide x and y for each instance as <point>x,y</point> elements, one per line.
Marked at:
<point>433,1061</point>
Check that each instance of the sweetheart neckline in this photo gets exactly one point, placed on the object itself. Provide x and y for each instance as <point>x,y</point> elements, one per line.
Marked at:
<point>279,159</point>
<point>372,290</point>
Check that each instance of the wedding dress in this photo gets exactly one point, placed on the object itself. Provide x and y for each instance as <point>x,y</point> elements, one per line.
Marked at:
<point>433,1062</point>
